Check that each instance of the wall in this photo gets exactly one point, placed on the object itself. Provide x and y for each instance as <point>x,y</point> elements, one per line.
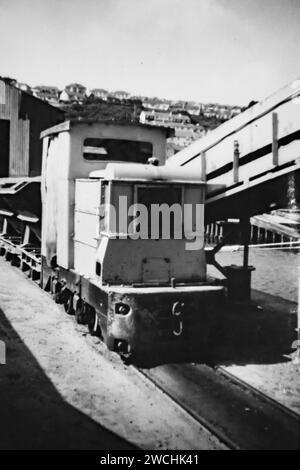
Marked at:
<point>27,116</point>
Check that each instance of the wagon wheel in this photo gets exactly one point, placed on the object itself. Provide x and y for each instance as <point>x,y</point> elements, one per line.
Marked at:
<point>127,357</point>
<point>57,297</point>
<point>8,256</point>
<point>15,260</point>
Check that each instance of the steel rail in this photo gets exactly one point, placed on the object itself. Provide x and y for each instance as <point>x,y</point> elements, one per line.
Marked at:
<point>222,437</point>
<point>239,415</point>
<point>260,394</point>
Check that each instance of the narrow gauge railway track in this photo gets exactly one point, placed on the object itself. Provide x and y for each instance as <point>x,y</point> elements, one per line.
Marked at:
<point>259,394</point>
<point>237,414</point>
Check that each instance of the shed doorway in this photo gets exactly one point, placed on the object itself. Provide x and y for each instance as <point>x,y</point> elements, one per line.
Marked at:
<point>4,148</point>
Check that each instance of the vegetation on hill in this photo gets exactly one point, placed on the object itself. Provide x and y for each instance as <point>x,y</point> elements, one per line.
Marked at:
<point>127,110</point>
<point>97,109</point>
<point>208,123</point>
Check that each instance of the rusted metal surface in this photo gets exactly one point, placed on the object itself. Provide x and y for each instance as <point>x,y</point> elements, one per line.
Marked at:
<point>166,318</point>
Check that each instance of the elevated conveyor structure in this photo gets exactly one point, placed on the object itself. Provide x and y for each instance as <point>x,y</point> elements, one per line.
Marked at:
<point>251,164</point>
<point>252,161</point>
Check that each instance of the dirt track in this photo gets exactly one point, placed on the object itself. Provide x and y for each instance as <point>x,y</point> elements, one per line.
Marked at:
<point>57,391</point>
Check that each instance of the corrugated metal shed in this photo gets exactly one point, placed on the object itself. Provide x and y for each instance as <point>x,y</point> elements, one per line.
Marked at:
<point>25,116</point>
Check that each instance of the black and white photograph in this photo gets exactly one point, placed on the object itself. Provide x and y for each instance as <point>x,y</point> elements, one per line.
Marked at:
<point>149,228</point>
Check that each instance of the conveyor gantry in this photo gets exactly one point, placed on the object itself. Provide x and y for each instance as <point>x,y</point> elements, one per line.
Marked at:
<point>251,164</point>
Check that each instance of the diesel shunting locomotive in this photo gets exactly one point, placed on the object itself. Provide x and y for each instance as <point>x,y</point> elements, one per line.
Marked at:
<point>136,289</point>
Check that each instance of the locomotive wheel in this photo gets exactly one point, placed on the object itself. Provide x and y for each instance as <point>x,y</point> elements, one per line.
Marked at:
<point>125,351</point>
<point>109,341</point>
<point>68,304</point>
<point>47,285</point>
<point>92,323</point>
<point>57,293</point>
<point>80,312</point>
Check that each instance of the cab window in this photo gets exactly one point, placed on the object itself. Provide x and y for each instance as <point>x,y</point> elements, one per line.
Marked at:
<point>95,149</point>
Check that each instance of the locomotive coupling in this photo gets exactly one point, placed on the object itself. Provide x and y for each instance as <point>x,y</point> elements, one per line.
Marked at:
<point>177,312</point>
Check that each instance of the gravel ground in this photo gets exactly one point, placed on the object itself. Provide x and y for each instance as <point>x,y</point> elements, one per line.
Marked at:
<point>276,271</point>
<point>61,389</point>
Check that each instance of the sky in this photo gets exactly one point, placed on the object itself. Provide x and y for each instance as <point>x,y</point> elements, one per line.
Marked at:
<point>226,51</point>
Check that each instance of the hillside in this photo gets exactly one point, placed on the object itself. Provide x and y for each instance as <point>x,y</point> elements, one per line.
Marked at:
<point>104,110</point>
<point>127,110</point>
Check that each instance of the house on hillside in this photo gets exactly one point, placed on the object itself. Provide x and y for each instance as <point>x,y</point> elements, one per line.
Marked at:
<point>178,106</point>
<point>99,93</point>
<point>148,103</point>
<point>120,95</point>
<point>137,98</point>
<point>24,87</point>
<point>193,108</point>
<point>160,118</point>
<point>235,110</point>
<point>73,93</point>
<point>156,104</point>
<point>210,109</point>
<point>224,112</point>
<point>46,93</point>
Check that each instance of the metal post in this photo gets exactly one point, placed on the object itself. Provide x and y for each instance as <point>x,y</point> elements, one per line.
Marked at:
<point>245,228</point>
<point>275,138</point>
<point>4,227</point>
<point>203,166</point>
<point>236,156</point>
<point>296,358</point>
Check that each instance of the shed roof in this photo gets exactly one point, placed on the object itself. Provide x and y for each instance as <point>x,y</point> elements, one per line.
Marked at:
<point>66,126</point>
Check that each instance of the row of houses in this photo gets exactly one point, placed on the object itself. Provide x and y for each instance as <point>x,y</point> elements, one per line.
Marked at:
<point>184,131</point>
<point>193,108</point>
<point>75,92</point>
<point>158,112</point>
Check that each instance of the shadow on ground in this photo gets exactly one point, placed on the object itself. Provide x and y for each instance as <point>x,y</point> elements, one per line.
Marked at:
<point>237,334</point>
<point>33,415</point>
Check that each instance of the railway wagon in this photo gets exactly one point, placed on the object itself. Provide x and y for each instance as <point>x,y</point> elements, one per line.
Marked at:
<point>134,288</point>
<point>22,118</point>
